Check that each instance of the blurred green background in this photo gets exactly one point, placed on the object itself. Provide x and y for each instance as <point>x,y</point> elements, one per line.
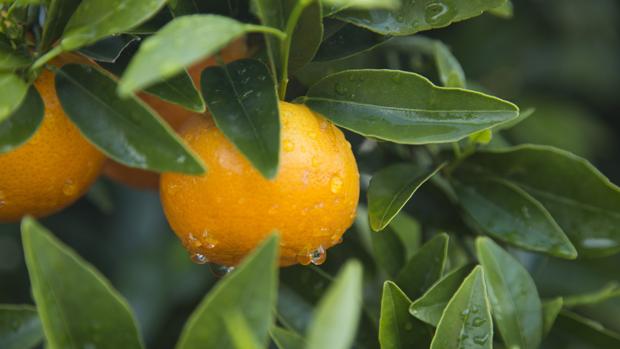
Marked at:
<point>561,57</point>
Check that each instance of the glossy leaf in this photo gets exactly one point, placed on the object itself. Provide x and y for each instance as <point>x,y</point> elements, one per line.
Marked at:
<point>573,330</point>
<point>176,46</point>
<point>416,16</point>
<point>584,203</point>
<point>96,19</point>
<point>22,123</point>
<point>179,90</point>
<point>249,290</point>
<point>404,107</point>
<point>58,14</point>
<point>89,98</point>
<point>391,188</point>
<point>108,49</point>
<point>450,70</point>
<point>337,314</point>
<point>240,332</point>
<point>20,327</point>
<point>242,98</point>
<point>339,5</point>
<point>397,328</point>
<point>516,306</point>
<point>430,306</point>
<point>409,231</point>
<point>14,91</point>
<point>466,321</point>
<point>505,211</point>
<point>388,250</point>
<point>285,339</point>
<point>504,11</point>
<point>551,310</point>
<point>66,287</point>
<point>183,7</point>
<point>609,291</point>
<point>347,41</point>
<point>424,268</point>
<point>11,60</point>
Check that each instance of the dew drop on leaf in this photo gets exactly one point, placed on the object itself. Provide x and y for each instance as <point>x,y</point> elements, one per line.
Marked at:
<point>199,258</point>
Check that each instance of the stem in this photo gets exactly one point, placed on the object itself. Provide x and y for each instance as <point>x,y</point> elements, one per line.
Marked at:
<point>266,30</point>
<point>46,58</point>
<point>286,45</point>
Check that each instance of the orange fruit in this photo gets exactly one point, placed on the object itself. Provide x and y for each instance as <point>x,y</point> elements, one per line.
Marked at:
<point>173,114</point>
<point>224,214</point>
<point>53,168</point>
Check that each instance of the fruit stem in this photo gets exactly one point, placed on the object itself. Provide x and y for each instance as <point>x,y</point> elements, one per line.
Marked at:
<point>48,56</point>
<point>286,45</point>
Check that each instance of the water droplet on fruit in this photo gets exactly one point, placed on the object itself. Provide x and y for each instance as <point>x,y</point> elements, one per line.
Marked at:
<point>209,241</point>
<point>2,199</point>
<point>199,258</point>
<point>335,184</point>
<point>69,189</point>
<point>288,146</point>
<point>323,125</point>
<point>220,270</point>
<point>318,256</point>
<point>193,242</point>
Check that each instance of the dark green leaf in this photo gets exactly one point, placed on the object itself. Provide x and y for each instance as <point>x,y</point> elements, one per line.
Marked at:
<point>285,339</point>
<point>431,305</point>
<point>505,211</point>
<point>551,310</point>
<point>388,251</point>
<point>108,49</point>
<point>584,203</point>
<point>176,46</point>
<point>516,307</point>
<point>416,16</point>
<point>575,331</point>
<point>611,290</point>
<point>20,327</point>
<point>397,328</point>
<point>89,98</point>
<point>96,19</point>
<point>180,90</point>
<point>466,321</point>
<point>58,14</point>
<point>408,231</point>
<point>424,268</point>
<point>77,306</point>
<point>348,41</point>
<point>336,316</point>
<point>22,123</point>
<point>249,290</point>
<point>10,59</point>
<point>391,188</point>
<point>242,98</point>
<point>404,107</point>
<point>14,91</point>
<point>184,7</point>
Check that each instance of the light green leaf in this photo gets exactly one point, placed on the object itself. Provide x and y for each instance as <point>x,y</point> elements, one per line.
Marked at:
<point>285,339</point>
<point>430,306</point>
<point>20,327</point>
<point>337,314</point>
<point>14,91</point>
<point>397,328</point>
<point>450,70</point>
<point>466,321</point>
<point>516,306</point>
<point>504,11</point>
<point>505,211</point>
<point>10,59</point>
<point>96,19</point>
<point>424,268</point>
<point>391,188</point>
<point>77,306</point>
<point>240,332</point>
<point>584,202</point>
<point>242,98</point>
<point>89,98</point>
<point>416,16</point>
<point>609,291</point>
<point>551,310</point>
<point>335,6</point>
<point>22,123</point>
<point>250,290</point>
<point>404,107</point>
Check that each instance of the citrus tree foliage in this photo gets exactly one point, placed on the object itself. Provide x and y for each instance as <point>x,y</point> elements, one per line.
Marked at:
<point>457,277</point>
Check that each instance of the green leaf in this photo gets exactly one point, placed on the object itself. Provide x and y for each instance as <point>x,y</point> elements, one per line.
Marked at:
<point>391,188</point>
<point>337,314</point>
<point>506,212</point>
<point>22,123</point>
<point>466,321</point>
<point>584,202</point>
<point>242,98</point>
<point>573,330</point>
<point>285,339</point>
<point>609,291</point>
<point>551,310</point>
<point>450,71</point>
<point>347,41</point>
<point>511,123</point>
<point>408,231</point>
<point>404,107</point>
<point>504,11</point>
<point>516,306</point>
<point>77,306</point>
<point>58,14</point>
<point>108,49</point>
<point>183,7</point>
<point>89,98</point>
<point>96,19</point>
<point>339,5</point>
<point>10,59</point>
<point>176,46</point>
<point>388,251</point>
<point>179,90</point>
<point>14,91</point>
<point>416,16</point>
<point>424,268</point>
<point>431,304</point>
<point>20,327</point>
<point>250,290</point>
<point>240,332</point>
<point>397,328</point>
